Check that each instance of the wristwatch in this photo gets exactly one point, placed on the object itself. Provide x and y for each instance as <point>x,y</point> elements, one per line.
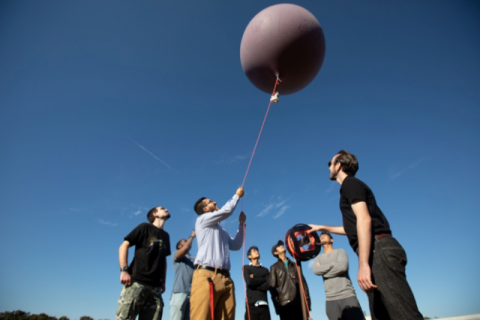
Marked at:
<point>124,269</point>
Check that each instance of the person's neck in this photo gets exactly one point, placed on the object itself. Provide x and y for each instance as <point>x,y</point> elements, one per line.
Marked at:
<point>158,223</point>
<point>327,248</point>
<point>255,262</point>
<point>282,257</point>
<point>341,176</point>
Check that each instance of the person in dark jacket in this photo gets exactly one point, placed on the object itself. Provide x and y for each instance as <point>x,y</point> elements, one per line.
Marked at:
<point>256,277</point>
<point>283,279</point>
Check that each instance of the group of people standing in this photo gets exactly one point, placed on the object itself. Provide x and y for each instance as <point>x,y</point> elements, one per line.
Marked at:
<point>203,288</point>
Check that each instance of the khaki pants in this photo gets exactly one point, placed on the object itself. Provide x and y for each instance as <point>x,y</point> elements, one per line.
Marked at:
<point>223,295</point>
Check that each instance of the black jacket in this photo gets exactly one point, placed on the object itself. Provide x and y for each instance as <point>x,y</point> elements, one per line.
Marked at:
<point>257,285</point>
<point>286,284</point>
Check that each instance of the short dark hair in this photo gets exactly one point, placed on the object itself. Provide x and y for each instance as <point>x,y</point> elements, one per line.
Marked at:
<point>199,205</point>
<point>327,233</point>
<point>179,242</point>
<point>250,250</point>
<point>348,161</point>
<point>150,213</point>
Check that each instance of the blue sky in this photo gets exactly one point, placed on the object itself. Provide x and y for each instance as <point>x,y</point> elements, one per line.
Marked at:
<point>108,108</point>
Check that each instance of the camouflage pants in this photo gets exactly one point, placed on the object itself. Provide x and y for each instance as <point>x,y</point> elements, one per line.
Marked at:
<point>141,300</point>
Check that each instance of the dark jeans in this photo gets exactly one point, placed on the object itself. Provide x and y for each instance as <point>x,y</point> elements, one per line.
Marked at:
<point>258,313</point>
<point>291,311</point>
<point>393,299</point>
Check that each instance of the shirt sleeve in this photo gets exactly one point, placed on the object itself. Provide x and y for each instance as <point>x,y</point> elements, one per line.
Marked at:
<point>174,256</point>
<point>252,283</point>
<point>136,236</point>
<point>354,190</point>
<point>167,245</point>
<point>265,286</point>
<point>340,266</point>
<point>236,243</point>
<point>321,269</point>
<point>272,279</point>
<point>211,218</point>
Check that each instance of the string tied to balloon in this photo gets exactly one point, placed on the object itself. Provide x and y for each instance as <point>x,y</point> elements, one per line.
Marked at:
<point>245,177</point>
<point>277,82</point>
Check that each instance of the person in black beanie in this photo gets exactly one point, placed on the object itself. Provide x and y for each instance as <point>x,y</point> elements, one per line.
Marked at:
<point>256,277</point>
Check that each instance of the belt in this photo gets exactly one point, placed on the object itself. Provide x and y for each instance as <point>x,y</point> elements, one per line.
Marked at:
<point>382,235</point>
<point>226,273</point>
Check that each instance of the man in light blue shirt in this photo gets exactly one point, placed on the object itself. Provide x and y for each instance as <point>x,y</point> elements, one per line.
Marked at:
<point>182,284</point>
<point>212,286</point>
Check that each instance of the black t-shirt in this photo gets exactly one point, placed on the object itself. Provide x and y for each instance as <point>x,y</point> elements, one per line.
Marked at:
<point>152,246</point>
<point>354,189</point>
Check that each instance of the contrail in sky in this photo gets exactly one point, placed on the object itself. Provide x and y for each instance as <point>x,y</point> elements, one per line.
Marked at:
<point>150,153</point>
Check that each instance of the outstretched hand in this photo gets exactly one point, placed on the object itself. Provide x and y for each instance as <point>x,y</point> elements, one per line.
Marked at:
<point>315,228</point>
<point>242,218</point>
<point>240,192</point>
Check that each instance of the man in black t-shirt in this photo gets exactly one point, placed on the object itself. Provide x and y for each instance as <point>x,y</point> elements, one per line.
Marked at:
<point>381,258</point>
<point>144,279</point>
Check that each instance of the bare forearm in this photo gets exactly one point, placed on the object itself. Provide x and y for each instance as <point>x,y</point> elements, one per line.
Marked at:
<point>364,233</point>
<point>332,229</point>
<point>123,255</point>
<point>185,249</point>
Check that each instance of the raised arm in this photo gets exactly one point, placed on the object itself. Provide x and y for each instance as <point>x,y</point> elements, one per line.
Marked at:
<point>340,266</point>
<point>184,250</point>
<point>236,243</point>
<point>212,218</point>
<point>332,229</point>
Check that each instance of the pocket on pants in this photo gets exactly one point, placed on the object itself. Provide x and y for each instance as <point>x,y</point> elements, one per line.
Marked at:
<point>397,258</point>
<point>129,293</point>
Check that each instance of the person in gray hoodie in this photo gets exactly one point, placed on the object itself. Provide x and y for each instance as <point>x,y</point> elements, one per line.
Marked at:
<point>332,265</point>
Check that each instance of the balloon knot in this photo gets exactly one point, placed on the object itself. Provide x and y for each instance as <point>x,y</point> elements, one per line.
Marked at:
<point>275,97</point>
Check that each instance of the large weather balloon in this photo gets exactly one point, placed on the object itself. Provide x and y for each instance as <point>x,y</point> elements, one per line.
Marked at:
<point>283,41</point>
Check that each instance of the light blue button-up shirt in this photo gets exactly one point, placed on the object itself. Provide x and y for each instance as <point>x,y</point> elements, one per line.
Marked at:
<point>214,242</point>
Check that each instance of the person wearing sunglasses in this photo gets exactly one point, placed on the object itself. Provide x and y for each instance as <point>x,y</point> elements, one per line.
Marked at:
<point>213,290</point>
<point>381,258</point>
